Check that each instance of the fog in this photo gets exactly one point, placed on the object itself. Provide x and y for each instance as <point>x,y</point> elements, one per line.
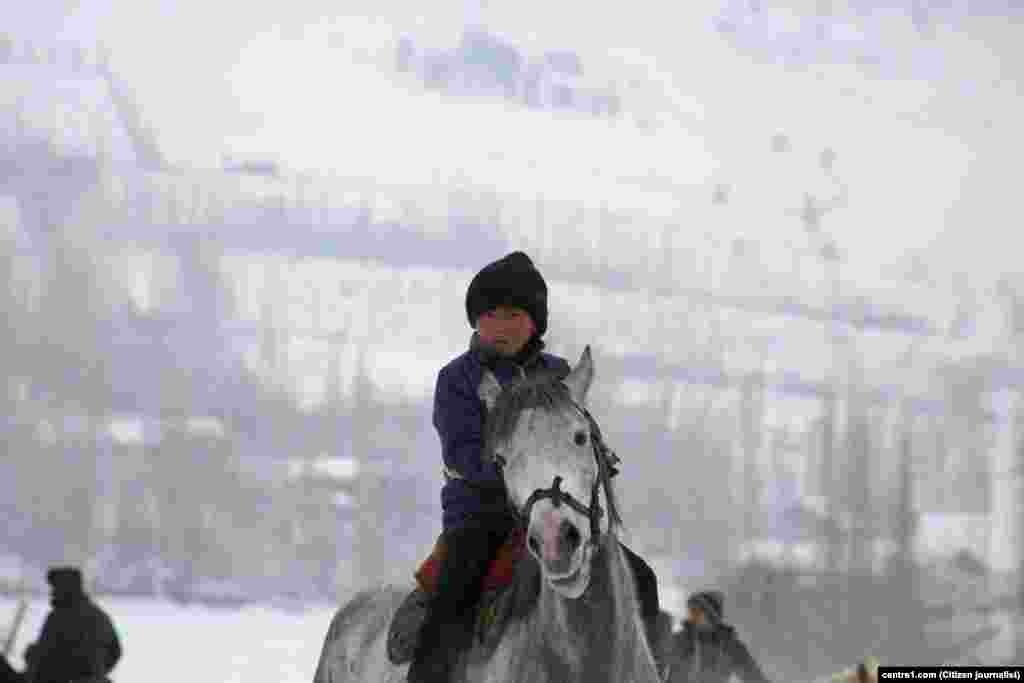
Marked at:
<point>235,243</point>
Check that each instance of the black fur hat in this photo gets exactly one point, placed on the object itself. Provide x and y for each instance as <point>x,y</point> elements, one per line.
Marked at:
<point>509,281</point>
<point>65,578</point>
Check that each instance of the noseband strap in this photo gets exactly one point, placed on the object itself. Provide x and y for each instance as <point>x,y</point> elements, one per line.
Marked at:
<point>557,496</point>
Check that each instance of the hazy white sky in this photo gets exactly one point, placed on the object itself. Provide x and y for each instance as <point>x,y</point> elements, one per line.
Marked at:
<point>929,161</point>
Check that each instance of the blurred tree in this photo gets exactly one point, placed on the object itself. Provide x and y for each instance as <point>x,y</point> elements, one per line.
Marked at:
<point>752,432</point>
<point>13,325</point>
<point>1010,290</point>
<point>73,307</point>
<point>376,514</point>
<point>858,494</point>
<point>6,48</point>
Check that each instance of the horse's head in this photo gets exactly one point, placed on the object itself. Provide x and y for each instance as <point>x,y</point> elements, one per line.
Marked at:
<point>540,434</point>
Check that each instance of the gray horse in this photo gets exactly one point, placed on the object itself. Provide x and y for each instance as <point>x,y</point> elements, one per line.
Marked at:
<point>583,622</point>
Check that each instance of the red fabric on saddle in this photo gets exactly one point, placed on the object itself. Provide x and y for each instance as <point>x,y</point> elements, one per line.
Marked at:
<point>500,574</point>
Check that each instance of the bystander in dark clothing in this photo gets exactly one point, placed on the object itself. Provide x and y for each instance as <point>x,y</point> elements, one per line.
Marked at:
<point>78,643</point>
<point>708,650</point>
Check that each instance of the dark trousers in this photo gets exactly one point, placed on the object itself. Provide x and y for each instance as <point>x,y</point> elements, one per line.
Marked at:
<point>451,616</point>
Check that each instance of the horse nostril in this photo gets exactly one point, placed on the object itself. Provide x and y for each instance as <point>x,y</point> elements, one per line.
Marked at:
<point>571,536</point>
<point>534,545</point>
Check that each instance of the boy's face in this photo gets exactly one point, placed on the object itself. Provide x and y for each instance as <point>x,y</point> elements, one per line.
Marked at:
<point>506,328</point>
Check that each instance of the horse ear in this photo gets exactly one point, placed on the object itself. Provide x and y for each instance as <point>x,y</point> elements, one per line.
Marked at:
<point>581,376</point>
<point>489,389</point>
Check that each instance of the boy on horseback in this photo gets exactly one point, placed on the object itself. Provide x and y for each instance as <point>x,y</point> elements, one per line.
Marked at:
<point>506,304</point>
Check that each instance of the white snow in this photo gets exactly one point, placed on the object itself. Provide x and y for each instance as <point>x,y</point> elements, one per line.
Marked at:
<point>167,643</point>
<point>126,430</point>
<point>942,534</point>
<point>207,426</point>
<point>337,468</point>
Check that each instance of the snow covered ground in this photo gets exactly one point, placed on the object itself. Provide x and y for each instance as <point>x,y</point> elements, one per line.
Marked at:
<point>168,643</point>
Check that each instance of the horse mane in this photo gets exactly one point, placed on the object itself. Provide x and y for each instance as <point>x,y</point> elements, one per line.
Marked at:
<point>546,391</point>
<point>543,390</point>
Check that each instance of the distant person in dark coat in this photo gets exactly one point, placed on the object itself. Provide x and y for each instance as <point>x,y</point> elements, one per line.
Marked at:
<point>78,643</point>
<point>708,650</point>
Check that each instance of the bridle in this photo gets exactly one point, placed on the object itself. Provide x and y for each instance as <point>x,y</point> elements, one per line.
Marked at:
<point>606,461</point>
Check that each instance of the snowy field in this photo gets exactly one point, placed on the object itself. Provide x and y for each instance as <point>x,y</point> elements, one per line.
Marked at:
<point>168,643</point>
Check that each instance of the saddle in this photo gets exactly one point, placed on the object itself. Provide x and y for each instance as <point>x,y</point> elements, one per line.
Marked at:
<point>405,625</point>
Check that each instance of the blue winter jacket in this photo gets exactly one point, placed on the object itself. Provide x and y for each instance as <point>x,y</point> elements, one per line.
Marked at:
<point>459,420</point>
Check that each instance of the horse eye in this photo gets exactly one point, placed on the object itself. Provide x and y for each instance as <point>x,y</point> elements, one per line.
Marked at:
<point>500,459</point>
<point>580,438</point>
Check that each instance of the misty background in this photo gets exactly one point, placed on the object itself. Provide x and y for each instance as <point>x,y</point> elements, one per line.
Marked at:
<point>235,241</point>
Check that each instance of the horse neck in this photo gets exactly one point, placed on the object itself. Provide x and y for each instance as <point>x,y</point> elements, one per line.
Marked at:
<point>598,637</point>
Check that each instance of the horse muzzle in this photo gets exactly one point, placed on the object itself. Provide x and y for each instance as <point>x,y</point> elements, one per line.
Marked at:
<point>561,545</point>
